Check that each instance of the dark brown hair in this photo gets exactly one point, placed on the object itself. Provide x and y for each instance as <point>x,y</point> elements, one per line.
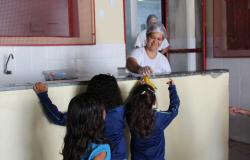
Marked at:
<point>85,124</point>
<point>106,87</point>
<point>139,111</point>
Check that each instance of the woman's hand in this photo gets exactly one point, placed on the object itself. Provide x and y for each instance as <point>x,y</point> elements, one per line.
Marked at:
<point>40,87</point>
<point>165,51</point>
<point>145,71</point>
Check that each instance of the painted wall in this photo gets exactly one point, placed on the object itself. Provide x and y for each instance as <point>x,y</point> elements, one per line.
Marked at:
<point>239,82</point>
<point>199,132</point>
<point>104,57</point>
<point>110,21</point>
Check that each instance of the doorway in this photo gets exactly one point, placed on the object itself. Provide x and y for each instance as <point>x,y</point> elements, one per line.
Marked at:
<point>184,22</point>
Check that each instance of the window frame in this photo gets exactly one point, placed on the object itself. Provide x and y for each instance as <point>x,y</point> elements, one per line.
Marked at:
<point>202,50</point>
<point>219,34</point>
<point>84,38</point>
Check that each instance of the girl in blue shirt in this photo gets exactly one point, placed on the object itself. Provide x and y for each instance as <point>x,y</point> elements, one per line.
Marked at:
<point>84,139</point>
<point>146,124</point>
<point>106,87</point>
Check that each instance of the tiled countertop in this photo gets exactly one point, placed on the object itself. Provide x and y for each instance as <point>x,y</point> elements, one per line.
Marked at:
<point>84,80</point>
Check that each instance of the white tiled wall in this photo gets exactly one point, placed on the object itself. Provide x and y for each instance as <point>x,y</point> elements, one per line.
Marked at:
<point>29,62</point>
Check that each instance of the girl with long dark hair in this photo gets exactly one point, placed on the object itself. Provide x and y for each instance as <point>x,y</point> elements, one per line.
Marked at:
<point>106,87</point>
<point>84,139</point>
<point>146,124</point>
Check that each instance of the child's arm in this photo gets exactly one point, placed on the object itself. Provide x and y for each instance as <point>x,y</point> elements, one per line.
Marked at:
<point>167,116</point>
<point>238,110</point>
<point>174,99</point>
<point>51,111</point>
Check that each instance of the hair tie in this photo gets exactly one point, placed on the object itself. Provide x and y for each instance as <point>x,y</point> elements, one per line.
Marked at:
<point>151,90</point>
<point>143,92</point>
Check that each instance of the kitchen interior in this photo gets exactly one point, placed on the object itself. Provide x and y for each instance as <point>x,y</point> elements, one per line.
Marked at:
<point>65,44</point>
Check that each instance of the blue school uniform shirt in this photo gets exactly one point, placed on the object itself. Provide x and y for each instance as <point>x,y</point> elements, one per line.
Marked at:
<point>153,146</point>
<point>94,149</point>
<point>114,125</point>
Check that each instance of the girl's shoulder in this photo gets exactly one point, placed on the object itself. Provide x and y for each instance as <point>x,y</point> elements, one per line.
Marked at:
<point>119,108</point>
<point>94,149</point>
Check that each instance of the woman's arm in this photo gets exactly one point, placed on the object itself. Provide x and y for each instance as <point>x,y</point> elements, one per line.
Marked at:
<point>134,67</point>
<point>165,51</point>
<point>51,111</point>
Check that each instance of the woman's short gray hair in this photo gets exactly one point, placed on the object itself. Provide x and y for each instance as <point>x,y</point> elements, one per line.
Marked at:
<point>156,28</point>
<point>149,18</point>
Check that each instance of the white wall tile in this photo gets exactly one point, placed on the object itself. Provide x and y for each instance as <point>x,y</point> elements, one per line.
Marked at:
<point>54,53</point>
<point>23,65</point>
<point>57,64</point>
<point>39,62</point>
<point>29,62</point>
<point>61,52</point>
<point>104,58</point>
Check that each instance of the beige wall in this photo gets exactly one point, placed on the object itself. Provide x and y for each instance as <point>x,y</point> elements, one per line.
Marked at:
<point>200,132</point>
<point>109,21</point>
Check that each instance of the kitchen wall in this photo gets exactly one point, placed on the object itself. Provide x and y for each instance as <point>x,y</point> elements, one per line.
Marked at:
<point>199,132</point>
<point>239,85</point>
<point>109,53</point>
<point>104,57</point>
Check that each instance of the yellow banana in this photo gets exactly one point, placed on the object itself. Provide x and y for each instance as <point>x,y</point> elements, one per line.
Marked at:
<point>149,82</point>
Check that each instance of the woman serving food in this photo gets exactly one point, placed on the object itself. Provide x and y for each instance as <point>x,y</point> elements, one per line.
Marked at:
<point>148,60</point>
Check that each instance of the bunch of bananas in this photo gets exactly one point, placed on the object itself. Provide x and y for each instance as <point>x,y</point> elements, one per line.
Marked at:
<point>149,82</point>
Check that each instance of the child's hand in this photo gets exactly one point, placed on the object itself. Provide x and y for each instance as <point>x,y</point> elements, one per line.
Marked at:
<point>234,110</point>
<point>170,82</point>
<point>40,87</point>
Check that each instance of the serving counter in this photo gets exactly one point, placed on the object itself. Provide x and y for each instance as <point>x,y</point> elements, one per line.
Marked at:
<point>199,132</point>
